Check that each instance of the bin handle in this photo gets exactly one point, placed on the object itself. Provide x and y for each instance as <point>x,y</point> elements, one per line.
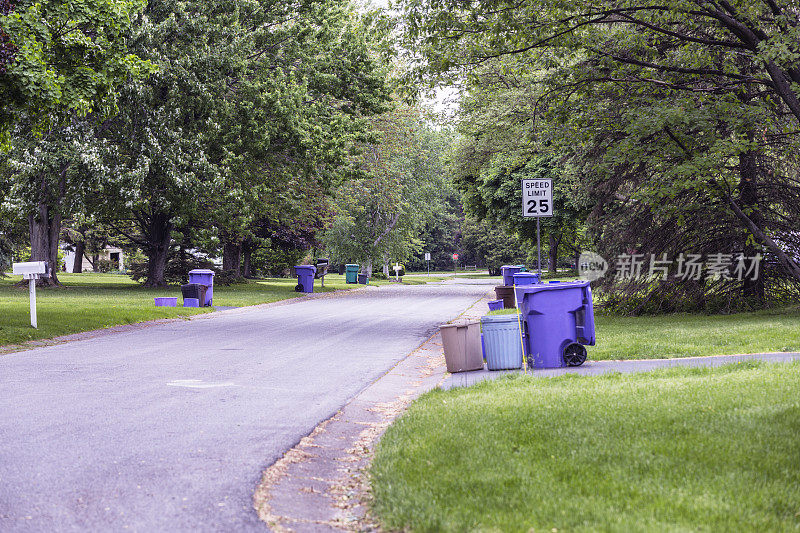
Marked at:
<point>521,340</point>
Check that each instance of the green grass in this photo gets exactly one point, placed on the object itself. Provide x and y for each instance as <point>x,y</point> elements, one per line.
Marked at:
<point>691,335</point>
<point>687,335</point>
<point>674,450</point>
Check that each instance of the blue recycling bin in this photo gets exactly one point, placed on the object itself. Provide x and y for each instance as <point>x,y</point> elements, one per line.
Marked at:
<point>305,277</point>
<point>525,278</point>
<point>508,272</point>
<point>502,346</point>
<point>560,322</point>
<point>204,276</point>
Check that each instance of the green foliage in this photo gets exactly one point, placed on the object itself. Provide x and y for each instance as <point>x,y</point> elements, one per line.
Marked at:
<point>69,56</point>
<point>674,126</point>
<point>378,218</point>
<point>252,116</point>
<point>490,245</point>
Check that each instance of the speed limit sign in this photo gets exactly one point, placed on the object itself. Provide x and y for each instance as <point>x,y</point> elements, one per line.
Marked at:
<point>537,197</point>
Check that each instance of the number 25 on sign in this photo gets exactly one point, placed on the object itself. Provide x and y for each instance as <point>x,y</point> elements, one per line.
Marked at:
<point>537,197</point>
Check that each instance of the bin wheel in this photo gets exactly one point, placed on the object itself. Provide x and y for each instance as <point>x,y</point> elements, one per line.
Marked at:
<point>575,354</point>
<point>298,288</point>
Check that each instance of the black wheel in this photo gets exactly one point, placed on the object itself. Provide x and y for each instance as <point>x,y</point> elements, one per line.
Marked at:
<point>575,354</point>
<point>298,288</point>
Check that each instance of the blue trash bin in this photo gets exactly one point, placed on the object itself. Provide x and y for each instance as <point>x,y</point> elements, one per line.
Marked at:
<point>502,346</point>
<point>525,278</point>
<point>560,322</point>
<point>496,305</point>
<point>508,272</point>
<point>204,276</point>
<point>305,277</point>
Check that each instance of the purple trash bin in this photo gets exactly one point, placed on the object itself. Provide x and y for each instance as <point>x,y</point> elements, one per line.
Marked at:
<point>508,272</point>
<point>191,302</point>
<point>560,321</point>
<point>525,278</point>
<point>305,277</point>
<point>496,305</point>
<point>166,301</point>
<point>204,276</point>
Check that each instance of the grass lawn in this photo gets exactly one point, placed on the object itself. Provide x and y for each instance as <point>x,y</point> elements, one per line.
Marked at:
<point>672,450</point>
<point>686,335</point>
<point>93,301</point>
<point>690,335</point>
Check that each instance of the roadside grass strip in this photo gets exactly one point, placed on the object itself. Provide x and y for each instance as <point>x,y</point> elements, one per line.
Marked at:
<point>692,335</point>
<point>680,449</point>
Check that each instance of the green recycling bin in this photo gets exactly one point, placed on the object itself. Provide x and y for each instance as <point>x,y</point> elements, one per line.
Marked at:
<point>351,274</point>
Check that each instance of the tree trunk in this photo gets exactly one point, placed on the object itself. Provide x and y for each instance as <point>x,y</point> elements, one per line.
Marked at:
<point>247,255</point>
<point>232,258</point>
<point>554,240</point>
<point>95,262</point>
<point>77,263</point>
<point>158,234</point>
<point>45,228</point>
<point>748,196</point>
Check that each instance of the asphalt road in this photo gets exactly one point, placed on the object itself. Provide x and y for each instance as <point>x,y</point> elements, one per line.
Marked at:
<point>168,428</point>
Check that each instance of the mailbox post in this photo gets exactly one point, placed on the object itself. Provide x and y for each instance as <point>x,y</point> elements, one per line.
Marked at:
<point>32,271</point>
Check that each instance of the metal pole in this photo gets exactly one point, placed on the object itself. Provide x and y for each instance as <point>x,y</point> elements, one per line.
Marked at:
<point>32,285</point>
<point>539,248</point>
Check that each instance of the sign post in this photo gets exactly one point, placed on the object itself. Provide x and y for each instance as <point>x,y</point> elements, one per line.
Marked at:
<point>397,269</point>
<point>32,271</point>
<point>537,201</point>
<point>428,259</point>
<point>455,263</point>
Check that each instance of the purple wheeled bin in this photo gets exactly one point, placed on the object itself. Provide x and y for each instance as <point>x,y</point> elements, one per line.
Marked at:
<point>204,276</point>
<point>560,322</point>
<point>525,278</point>
<point>496,305</point>
<point>508,272</point>
<point>305,277</point>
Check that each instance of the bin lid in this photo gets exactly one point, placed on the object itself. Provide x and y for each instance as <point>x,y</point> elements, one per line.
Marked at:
<point>202,271</point>
<point>460,324</point>
<point>508,317</point>
<point>351,265</point>
<point>564,285</point>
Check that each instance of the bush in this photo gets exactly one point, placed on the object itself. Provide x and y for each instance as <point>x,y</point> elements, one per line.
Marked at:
<point>106,265</point>
<point>378,275</point>
<point>177,270</point>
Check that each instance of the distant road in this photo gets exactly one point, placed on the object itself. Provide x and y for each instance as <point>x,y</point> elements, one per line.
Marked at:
<point>168,428</point>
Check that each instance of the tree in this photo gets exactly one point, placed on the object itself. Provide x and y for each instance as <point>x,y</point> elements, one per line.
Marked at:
<point>379,218</point>
<point>247,96</point>
<point>670,111</point>
<point>61,72</point>
<point>489,245</point>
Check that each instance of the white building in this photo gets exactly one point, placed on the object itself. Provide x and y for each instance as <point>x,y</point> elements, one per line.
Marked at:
<point>115,255</point>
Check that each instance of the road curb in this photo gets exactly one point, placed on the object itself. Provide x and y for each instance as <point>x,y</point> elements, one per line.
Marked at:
<point>321,484</point>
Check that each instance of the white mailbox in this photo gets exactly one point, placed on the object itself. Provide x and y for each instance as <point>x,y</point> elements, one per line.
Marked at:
<point>32,270</point>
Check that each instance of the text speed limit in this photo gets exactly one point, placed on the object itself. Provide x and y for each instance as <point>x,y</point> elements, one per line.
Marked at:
<point>537,197</point>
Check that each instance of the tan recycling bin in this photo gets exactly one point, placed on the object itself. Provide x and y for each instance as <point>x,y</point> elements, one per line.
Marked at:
<point>462,346</point>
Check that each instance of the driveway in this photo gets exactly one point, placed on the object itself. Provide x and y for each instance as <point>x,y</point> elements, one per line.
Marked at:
<point>168,428</point>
